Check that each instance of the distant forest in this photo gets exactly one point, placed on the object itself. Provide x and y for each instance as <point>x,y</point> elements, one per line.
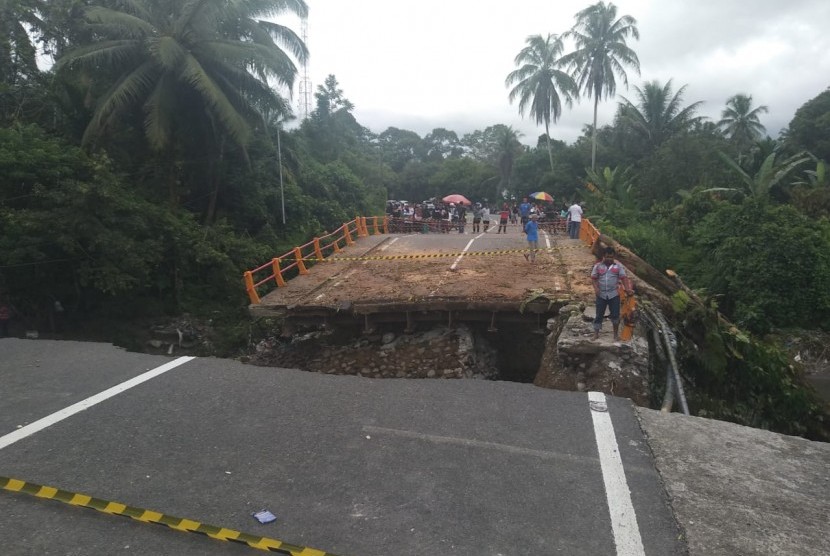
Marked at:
<point>149,166</point>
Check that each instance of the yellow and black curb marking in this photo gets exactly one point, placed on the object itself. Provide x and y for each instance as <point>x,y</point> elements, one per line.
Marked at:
<point>150,516</point>
<point>440,255</point>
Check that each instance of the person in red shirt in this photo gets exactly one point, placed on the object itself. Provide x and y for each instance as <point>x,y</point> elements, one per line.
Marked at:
<point>5,317</point>
<point>503,217</point>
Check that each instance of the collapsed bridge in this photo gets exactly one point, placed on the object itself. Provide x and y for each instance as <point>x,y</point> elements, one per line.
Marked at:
<point>435,277</point>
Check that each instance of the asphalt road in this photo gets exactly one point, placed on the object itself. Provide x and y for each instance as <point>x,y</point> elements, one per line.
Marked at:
<point>349,465</point>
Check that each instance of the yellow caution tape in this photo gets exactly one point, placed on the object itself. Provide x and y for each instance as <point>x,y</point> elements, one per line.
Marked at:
<point>336,259</point>
<point>150,516</point>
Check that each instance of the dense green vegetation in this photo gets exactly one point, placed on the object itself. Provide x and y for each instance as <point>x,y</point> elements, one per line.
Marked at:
<point>139,176</point>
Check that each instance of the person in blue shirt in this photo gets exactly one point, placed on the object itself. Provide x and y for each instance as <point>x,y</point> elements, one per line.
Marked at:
<point>524,212</point>
<point>532,231</point>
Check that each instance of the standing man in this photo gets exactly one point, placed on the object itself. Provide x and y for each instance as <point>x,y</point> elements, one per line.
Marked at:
<point>605,276</point>
<point>574,220</point>
<point>503,217</point>
<point>462,218</point>
<point>485,217</point>
<point>524,211</point>
<point>532,231</point>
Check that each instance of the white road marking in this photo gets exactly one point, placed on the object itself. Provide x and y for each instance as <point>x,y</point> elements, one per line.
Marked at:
<point>385,247</point>
<point>623,519</point>
<point>461,256</point>
<point>347,275</point>
<point>547,239</point>
<point>65,413</point>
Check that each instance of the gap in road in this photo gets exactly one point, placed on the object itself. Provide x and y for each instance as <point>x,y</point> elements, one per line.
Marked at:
<point>466,350</point>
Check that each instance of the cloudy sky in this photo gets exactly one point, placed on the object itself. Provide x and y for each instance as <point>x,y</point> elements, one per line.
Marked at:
<point>442,63</point>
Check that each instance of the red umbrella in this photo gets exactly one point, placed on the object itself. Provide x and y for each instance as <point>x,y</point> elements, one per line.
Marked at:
<point>456,198</point>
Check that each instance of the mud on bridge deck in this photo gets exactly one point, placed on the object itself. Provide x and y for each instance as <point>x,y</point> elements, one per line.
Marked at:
<point>436,278</point>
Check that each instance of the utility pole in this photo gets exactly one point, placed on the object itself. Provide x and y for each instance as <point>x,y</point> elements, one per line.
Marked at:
<point>304,100</point>
<point>279,159</point>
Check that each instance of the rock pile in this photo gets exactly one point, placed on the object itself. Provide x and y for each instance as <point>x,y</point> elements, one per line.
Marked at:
<point>437,353</point>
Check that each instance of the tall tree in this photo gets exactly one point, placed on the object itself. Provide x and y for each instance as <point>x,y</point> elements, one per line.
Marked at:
<point>330,98</point>
<point>539,81</point>
<point>18,56</point>
<point>187,67</point>
<point>658,114</point>
<point>441,144</point>
<point>400,146</point>
<point>810,127</point>
<point>739,120</point>
<point>332,129</point>
<point>601,53</point>
<point>506,149</point>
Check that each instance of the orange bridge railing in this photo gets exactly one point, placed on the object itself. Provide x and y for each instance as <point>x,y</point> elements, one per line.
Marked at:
<point>298,260</point>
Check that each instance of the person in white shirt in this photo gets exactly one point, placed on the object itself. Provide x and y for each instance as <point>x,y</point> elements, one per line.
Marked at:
<point>574,220</point>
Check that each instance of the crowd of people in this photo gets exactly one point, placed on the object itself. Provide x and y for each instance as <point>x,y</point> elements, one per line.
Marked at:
<point>606,275</point>
<point>438,216</point>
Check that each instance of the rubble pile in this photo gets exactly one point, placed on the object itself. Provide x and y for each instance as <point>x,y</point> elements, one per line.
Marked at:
<point>437,353</point>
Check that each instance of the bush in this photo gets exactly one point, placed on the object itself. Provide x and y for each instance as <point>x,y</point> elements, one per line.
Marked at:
<point>768,264</point>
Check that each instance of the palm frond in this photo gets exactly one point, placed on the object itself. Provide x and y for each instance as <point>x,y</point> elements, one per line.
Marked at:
<point>127,91</point>
<point>167,51</point>
<point>114,23</point>
<point>159,109</point>
<point>287,38</point>
<point>108,54</point>
<point>215,99</point>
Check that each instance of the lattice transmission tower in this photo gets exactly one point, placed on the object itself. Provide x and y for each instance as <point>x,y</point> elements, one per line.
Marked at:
<point>304,96</point>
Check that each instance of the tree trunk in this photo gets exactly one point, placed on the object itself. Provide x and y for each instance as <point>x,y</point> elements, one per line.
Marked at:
<point>594,137</point>
<point>658,280</point>
<point>550,148</point>
<point>215,170</point>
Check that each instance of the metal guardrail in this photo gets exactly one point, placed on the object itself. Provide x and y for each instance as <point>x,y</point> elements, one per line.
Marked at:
<point>296,261</point>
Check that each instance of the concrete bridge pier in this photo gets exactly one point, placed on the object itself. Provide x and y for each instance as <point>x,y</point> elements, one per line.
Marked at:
<point>572,360</point>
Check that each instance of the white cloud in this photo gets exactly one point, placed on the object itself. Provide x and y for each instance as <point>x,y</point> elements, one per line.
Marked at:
<point>442,63</point>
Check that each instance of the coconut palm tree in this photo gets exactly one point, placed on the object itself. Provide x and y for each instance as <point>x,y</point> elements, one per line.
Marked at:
<point>539,82</point>
<point>740,121</point>
<point>601,53</point>
<point>186,57</point>
<point>658,114</point>
<point>18,56</point>
<point>505,149</point>
<point>190,68</point>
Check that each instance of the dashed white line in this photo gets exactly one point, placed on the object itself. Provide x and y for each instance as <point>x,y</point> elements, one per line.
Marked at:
<point>463,251</point>
<point>65,413</point>
<point>623,519</point>
<point>385,247</point>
